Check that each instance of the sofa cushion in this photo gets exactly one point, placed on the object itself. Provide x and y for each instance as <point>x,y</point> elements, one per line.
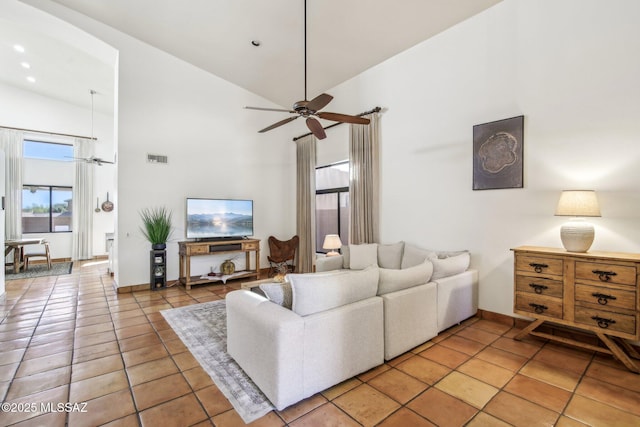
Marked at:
<point>390,256</point>
<point>395,280</point>
<point>450,266</point>
<point>345,256</point>
<point>278,293</point>
<point>362,256</point>
<point>413,256</point>
<point>316,292</point>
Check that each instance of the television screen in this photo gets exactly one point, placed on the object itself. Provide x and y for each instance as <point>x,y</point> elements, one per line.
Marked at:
<point>219,218</point>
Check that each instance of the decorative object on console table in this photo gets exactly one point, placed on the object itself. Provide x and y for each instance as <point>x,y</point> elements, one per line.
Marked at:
<point>227,267</point>
<point>332,242</point>
<point>497,154</point>
<point>158,271</point>
<point>577,234</point>
<point>595,292</point>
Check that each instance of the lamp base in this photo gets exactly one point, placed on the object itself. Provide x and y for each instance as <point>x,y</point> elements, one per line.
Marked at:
<point>332,253</point>
<point>577,235</point>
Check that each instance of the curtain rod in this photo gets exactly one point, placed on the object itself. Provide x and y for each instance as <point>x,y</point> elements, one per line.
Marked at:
<point>374,110</point>
<point>50,133</point>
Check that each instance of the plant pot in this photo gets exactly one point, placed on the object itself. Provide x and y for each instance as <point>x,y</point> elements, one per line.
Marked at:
<point>158,246</point>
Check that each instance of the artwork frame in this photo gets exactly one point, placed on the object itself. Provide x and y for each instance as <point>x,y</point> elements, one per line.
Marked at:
<point>498,161</point>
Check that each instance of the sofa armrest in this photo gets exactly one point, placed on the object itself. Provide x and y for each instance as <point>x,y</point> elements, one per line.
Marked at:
<point>328,263</point>
<point>265,340</point>
<point>457,298</point>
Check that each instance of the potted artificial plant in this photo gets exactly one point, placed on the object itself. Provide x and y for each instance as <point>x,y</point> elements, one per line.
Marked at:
<point>156,226</point>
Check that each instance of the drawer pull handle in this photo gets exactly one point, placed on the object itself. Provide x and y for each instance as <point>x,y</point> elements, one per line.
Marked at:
<point>538,308</point>
<point>602,322</point>
<point>604,276</point>
<point>603,299</point>
<point>538,267</point>
<point>538,288</point>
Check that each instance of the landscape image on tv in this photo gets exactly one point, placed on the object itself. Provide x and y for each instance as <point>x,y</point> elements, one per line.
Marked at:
<point>214,218</point>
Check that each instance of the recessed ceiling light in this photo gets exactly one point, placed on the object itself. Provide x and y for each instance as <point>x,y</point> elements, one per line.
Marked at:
<point>25,65</point>
<point>18,48</point>
<point>31,79</point>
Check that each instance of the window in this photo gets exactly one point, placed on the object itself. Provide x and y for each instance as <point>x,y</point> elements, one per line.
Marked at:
<point>46,209</point>
<point>332,202</point>
<point>47,150</point>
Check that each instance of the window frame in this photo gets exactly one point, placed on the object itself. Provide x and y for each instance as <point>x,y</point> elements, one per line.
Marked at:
<point>338,191</point>
<point>51,187</point>
<point>53,159</point>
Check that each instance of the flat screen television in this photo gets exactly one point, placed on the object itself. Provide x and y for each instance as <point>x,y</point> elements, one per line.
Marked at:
<point>218,219</point>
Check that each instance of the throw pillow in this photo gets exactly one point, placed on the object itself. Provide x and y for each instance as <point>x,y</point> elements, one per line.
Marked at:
<point>413,256</point>
<point>390,256</point>
<point>450,266</point>
<point>397,280</point>
<point>278,293</point>
<point>362,256</point>
<point>313,293</point>
<point>345,256</point>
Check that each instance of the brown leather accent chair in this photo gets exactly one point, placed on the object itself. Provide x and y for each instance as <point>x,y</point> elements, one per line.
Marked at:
<point>282,255</point>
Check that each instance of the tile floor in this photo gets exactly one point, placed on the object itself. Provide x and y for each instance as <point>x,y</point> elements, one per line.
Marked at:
<point>73,339</point>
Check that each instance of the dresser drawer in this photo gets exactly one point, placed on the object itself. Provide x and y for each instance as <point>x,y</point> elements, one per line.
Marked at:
<point>608,273</point>
<point>539,305</point>
<point>606,321</point>
<point>539,265</point>
<point>605,297</point>
<point>539,285</point>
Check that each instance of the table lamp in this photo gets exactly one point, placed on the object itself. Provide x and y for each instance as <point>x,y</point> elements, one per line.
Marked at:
<point>332,242</point>
<point>577,234</point>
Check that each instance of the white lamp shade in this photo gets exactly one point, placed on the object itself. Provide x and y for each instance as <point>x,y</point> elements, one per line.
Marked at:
<point>331,242</point>
<point>578,203</point>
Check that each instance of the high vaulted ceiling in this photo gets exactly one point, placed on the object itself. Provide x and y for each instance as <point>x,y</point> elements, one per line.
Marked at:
<point>345,37</point>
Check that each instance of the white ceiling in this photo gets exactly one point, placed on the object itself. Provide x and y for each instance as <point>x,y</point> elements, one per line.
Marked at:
<point>345,37</point>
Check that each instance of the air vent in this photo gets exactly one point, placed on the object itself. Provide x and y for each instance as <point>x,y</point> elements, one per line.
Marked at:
<point>157,158</point>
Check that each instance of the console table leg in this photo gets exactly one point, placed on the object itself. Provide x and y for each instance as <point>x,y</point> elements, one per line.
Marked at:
<point>619,353</point>
<point>526,331</point>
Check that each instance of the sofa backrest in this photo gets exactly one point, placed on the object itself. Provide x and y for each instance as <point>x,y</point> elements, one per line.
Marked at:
<point>316,292</point>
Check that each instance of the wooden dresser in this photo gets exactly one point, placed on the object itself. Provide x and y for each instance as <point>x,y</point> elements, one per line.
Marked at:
<point>593,291</point>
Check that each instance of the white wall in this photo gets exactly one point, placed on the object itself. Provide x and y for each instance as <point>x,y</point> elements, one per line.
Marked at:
<point>169,107</point>
<point>25,109</point>
<point>571,68</point>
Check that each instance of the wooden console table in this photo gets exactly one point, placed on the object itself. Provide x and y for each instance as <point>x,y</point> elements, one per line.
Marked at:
<point>188,249</point>
<point>593,291</point>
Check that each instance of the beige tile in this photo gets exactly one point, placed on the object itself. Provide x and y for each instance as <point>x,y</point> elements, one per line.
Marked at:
<point>486,372</point>
<point>95,367</point>
<point>151,370</point>
<point>427,371</point>
<point>470,390</point>
<point>213,401</point>
<point>445,355</point>
<point>502,358</point>
<point>595,413</point>
<point>485,420</point>
<point>551,374</point>
<point>104,409</point>
<point>463,345</point>
<point>398,385</point>
<point>404,418</point>
<point>93,387</point>
<point>319,416</point>
<point>46,380</point>
<point>366,405</point>
<point>341,388</point>
<point>519,412</point>
<point>539,392</point>
<point>612,395</point>
<point>183,411</point>
<point>159,391</point>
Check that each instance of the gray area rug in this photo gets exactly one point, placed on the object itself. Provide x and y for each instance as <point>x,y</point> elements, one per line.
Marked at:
<point>203,329</point>
<point>39,270</point>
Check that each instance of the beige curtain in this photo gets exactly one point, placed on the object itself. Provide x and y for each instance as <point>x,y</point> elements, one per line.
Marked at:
<point>364,176</point>
<point>82,246</point>
<point>11,143</point>
<point>306,202</point>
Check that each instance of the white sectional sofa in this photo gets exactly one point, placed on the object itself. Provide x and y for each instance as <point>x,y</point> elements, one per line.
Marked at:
<point>372,303</point>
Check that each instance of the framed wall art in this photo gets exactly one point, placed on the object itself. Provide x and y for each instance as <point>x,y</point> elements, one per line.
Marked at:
<point>497,154</point>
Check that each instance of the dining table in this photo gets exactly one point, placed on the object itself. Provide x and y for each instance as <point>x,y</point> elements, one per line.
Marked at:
<point>17,247</point>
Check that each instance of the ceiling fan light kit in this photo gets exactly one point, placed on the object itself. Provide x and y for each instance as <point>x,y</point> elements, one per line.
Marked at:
<point>311,109</point>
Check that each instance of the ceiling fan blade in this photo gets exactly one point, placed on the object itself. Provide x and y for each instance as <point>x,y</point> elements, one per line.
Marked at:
<point>270,109</point>
<point>319,102</point>
<point>344,118</point>
<point>280,123</point>
<point>316,128</point>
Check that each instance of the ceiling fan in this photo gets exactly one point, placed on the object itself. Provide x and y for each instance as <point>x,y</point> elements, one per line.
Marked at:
<point>311,109</point>
<point>95,160</point>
